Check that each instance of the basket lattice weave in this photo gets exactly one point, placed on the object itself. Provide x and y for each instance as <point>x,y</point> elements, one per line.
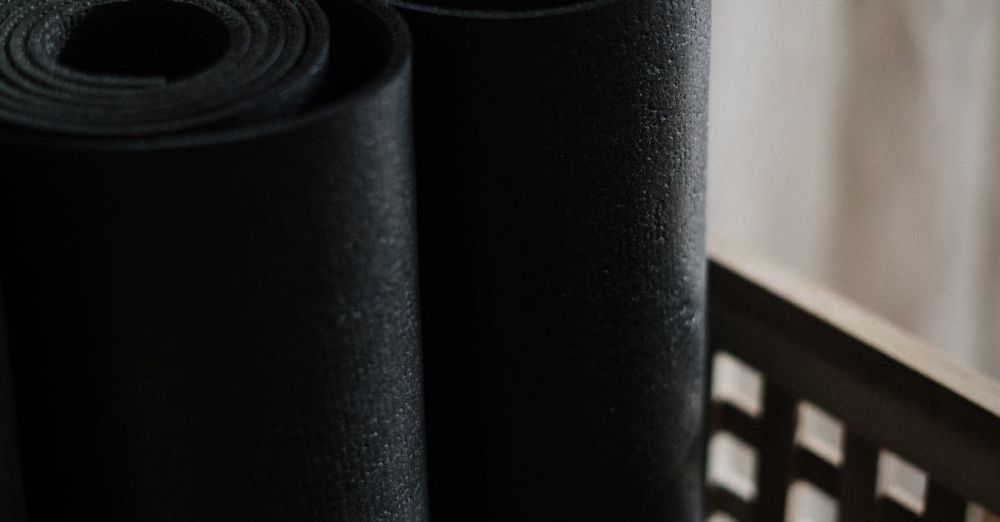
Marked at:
<point>889,393</point>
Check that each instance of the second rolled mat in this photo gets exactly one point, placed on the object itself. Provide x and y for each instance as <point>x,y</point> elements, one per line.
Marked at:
<point>560,163</point>
<point>206,217</point>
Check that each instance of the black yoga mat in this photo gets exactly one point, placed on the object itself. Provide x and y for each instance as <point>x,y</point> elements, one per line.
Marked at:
<point>560,167</point>
<point>206,217</point>
<point>11,494</point>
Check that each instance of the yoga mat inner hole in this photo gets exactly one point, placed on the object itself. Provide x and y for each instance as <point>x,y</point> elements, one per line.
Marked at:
<point>150,38</point>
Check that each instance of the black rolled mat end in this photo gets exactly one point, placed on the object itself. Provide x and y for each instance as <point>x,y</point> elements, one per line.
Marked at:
<point>207,218</point>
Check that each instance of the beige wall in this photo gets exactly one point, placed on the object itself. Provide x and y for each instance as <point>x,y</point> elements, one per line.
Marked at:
<point>859,142</point>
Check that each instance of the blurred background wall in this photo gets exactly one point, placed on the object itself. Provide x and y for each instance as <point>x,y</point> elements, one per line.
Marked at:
<point>858,142</point>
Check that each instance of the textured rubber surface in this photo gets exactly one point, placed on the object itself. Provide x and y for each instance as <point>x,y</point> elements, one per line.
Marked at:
<point>107,67</point>
<point>209,260</point>
<point>11,494</point>
<point>560,167</point>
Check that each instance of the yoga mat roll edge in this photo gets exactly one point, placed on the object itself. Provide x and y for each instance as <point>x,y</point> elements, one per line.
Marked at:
<point>209,260</point>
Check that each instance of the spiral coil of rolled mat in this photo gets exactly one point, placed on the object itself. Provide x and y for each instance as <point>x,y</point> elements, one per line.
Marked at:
<point>254,270</point>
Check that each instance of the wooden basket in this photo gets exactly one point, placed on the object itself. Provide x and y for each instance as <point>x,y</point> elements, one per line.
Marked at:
<point>888,391</point>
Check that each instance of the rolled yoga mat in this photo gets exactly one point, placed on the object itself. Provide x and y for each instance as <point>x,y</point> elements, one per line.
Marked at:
<point>209,260</point>
<point>11,493</point>
<point>560,167</point>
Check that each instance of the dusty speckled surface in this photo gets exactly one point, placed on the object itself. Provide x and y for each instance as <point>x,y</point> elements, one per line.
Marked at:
<point>560,167</point>
<point>219,322</point>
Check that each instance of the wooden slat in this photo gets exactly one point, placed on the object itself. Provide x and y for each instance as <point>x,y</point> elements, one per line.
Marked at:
<point>858,474</point>
<point>719,499</point>
<point>774,464</point>
<point>726,417</point>
<point>891,511</point>
<point>816,471</point>
<point>944,505</point>
<point>887,387</point>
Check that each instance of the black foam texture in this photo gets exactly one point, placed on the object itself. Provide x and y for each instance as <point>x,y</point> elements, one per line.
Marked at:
<point>560,166</point>
<point>11,492</point>
<point>209,261</point>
